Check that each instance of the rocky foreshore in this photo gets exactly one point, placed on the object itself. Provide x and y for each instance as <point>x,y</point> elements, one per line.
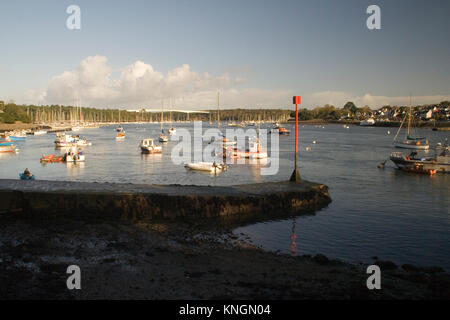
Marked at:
<point>125,255</point>
<point>180,261</point>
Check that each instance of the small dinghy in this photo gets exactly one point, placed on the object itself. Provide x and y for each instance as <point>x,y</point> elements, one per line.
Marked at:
<point>22,176</point>
<point>205,166</point>
<point>120,136</point>
<point>163,138</point>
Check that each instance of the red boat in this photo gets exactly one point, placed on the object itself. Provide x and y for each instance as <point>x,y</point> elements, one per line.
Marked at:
<point>280,130</point>
<point>52,158</point>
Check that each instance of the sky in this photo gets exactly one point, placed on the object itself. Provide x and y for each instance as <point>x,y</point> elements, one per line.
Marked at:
<point>256,53</point>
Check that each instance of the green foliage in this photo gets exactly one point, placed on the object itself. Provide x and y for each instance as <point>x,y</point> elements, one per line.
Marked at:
<point>12,113</point>
<point>350,106</point>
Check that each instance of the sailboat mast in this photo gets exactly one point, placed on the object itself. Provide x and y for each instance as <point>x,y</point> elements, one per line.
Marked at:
<point>218,114</point>
<point>410,111</point>
<point>162,115</point>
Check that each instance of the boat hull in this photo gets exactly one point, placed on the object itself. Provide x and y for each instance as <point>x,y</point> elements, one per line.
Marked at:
<point>411,146</point>
<point>5,149</point>
<point>151,150</point>
<point>204,166</point>
<point>414,165</point>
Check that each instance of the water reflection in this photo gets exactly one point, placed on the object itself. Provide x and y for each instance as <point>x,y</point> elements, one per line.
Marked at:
<point>75,169</point>
<point>293,248</point>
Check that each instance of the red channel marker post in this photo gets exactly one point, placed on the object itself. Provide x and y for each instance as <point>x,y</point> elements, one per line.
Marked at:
<point>295,175</point>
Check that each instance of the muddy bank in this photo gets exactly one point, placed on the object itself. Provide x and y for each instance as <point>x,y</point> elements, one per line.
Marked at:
<point>18,126</point>
<point>132,202</point>
<point>176,261</point>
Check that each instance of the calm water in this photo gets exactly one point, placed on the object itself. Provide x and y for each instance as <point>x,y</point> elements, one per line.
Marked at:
<point>386,213</point>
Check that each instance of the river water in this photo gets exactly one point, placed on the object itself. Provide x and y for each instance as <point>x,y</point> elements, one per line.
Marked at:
<point>385,213</point>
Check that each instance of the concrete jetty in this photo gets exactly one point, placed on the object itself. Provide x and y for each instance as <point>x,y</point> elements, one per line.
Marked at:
<point>134,202</point>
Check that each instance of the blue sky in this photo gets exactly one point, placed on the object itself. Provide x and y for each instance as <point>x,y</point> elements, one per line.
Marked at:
<point>255,52</point>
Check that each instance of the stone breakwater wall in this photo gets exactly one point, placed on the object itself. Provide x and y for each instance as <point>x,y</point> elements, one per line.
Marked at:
<point>111,201</point>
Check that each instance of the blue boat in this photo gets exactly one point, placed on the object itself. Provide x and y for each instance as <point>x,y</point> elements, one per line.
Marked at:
<point>14,138</point>
<point>24,177</point>
<point>5,143</point>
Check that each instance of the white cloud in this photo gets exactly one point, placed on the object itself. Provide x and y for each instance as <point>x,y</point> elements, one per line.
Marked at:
<point>140,85</point>
<point>339,98</point>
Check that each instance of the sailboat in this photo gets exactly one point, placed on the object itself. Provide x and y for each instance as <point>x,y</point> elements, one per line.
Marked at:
<point>120,132</point>
<point>162,136</point>
<point>172,130</point>
<point>410,142</point>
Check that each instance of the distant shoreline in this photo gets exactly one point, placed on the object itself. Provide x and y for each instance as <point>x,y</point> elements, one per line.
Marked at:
<point>420,124</point>
<point>4,127</point>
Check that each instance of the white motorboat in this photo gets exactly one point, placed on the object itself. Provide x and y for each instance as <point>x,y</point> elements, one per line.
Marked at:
<point>64,141</point>
<point>254,152</point>
<point>163,138</point>
<point>38,132</point>
<point>148,146</point>
<point>74,155</point>
<point>205,166</point>
<point>367,122</point>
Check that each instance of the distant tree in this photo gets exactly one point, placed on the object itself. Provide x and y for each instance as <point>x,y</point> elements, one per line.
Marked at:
<point>350,106</point>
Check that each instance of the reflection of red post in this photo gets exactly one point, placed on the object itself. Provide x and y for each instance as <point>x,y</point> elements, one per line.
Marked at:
<point>295,175</point>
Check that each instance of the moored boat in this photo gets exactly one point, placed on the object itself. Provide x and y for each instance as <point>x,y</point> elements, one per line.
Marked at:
<point>280,130</point>
<point>255,151</point>
<point>148,146</point>
<point>367,122</point>
<point>74,155</point>
<point>205,166</point>
<point>23,176</point>
<point>414,163</point>
<point>410,142</point>
<point>120,136</point>
<point>51,158</point>
<point>38,132</point>
<point>7,148</point>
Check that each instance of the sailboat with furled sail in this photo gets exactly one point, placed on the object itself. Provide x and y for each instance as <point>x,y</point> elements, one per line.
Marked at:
<point>162,136</point>
<point>410,141</point>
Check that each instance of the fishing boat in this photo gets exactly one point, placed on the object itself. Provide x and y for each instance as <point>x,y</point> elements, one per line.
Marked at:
<point>120,136</point>
<point>410,142</point>
<point>205,166</point>
<point>148,146</point>
<point>415,163</point>
<point>74,155</point>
